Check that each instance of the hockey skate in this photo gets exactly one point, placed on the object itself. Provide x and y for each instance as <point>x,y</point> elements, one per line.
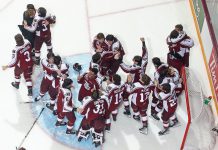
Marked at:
<point>60,124</point>
<point>215,130</point>
<point>107,129</point>
<point>164,131</point>
<point>143,130</point>
<point>97,144</point>
<point>174,123</point>
<point>70,131</point>
<point>80,139</point>
<point>155,117</point>
<point>136,117</point>
<point>37,61</point>
<point>30,92</point>
<point>114,117</point>
<point>15,85</point>
<point>127,112</point>
<point>84,136</point>
<point>50,106</point>
<point>33,53</point>
<point>97,138</point>
<point>55,112</point>
<point>37,98</point>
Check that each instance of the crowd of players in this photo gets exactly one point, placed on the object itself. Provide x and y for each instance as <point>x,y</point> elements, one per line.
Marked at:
<point>102,90</point>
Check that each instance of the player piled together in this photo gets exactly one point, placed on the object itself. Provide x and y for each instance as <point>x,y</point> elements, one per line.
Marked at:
<point>99,102</point>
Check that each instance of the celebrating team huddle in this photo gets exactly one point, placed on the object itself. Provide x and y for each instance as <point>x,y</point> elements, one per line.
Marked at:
<point>102,91</point>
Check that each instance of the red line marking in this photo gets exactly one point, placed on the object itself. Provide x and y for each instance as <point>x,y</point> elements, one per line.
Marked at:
<point>187,108</point>
<point>133,9</point>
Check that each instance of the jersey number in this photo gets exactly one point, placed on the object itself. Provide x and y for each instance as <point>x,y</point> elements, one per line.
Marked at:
<point>99,109</point>
<point>44,26</point>
<point>144,96</point>
<point>118,97</point>
<point>27,54</point>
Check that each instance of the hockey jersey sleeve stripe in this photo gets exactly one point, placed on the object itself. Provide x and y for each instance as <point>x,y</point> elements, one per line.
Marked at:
<point>45,64</point>
<point>14,60</point>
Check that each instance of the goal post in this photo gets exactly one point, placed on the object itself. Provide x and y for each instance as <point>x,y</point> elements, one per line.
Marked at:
<point>198,134</point>
<point>187,108</point>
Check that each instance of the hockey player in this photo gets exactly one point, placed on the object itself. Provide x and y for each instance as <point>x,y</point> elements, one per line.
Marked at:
<point>88,83</point>
<point>96,59</point>
<point>63,67</point>
<point>140,92</point>
<point>29,14</point>
<point>107,58</point>
<point>179,47</point>
<point>105,52</point>
<point>174,77</point>
<point>41,25</point>
<point>167,75</point>
<point>51,72</point>
<point>65,106</point>
<point>22,62</point>
<point>139,63</point>
<point>96,63</point>
<point>99,44</point>
<point>169,98</point>
<point>186,44</point>
<point>160,68</point>
<point>95,111</point>
<point>28,17</point>
<point>138,67</point>
<point>116,47</point>
<point>114,44</point>
<point>57,82</point>
<point>115,96</point>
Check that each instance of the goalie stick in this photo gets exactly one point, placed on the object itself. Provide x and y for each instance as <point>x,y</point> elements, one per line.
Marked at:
<point>17,148</point>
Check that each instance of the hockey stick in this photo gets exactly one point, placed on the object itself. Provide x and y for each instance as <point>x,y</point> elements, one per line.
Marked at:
<point>34,102</point>
<point>27,102</point>
<point>30,129</point>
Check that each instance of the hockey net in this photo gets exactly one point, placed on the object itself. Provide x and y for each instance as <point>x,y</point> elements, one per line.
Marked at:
<point>198,135</point>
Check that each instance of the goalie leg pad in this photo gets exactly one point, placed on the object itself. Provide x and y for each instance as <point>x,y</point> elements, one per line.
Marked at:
<point>83,133</point>
<point>97,137</point>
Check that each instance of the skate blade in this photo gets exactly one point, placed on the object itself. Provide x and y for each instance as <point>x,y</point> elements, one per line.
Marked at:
<point>154,118</point>
<point>164,133</point>
<point>71,133</point>
<point>214,132</point>
<point>129,116</point>
<point>107,131</point>
<point>177,125</point>
<point>144,132</point>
